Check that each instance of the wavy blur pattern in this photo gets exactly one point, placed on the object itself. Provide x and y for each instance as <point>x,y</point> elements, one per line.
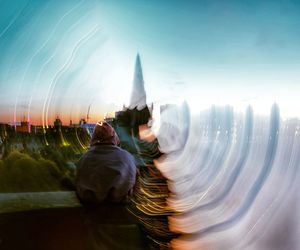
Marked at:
<point>233,177</point>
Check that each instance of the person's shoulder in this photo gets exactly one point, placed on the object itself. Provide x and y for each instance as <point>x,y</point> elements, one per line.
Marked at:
<point>125,154</point>
<point>122,151</point>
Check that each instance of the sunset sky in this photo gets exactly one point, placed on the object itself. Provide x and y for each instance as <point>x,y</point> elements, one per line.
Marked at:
<point>59,57</point>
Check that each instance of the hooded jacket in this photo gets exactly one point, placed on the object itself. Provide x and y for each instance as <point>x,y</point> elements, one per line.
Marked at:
<point>105,172</point>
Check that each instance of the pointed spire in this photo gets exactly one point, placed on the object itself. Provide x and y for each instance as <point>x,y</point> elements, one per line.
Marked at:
<point>138,94</point>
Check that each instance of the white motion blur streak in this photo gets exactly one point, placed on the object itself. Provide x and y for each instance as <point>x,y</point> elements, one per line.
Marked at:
<point>234,178</point>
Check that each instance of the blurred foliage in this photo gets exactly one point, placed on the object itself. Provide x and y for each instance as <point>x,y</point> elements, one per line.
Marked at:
<point>51,153</point>
<point>1,167</point>
<point>41,160</point>
<point>47,170</point>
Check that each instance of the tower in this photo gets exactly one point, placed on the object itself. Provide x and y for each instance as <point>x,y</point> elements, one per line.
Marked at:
<point>138,112</point>
<point>138,94</point>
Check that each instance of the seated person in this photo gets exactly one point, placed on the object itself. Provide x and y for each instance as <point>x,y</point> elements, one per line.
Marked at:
<point>105,173</point>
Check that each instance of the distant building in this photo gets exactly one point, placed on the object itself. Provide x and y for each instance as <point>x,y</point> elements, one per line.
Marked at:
<point>38,130</point>
<point>138,94</point>
<point>57,123</point>
<point>82,121</point>
<point>138,112</point>
<point>24,127</point>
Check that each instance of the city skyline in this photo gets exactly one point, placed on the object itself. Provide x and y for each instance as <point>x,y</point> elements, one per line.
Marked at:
<point>61,57</point>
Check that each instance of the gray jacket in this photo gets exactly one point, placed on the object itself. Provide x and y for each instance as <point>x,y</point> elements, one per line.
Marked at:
<point>105,172</point>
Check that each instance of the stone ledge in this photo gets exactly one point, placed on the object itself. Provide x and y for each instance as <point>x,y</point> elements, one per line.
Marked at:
<point>17,202</point>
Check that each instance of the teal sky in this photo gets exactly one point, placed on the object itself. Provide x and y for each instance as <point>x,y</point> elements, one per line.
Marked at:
<point>59,57</point>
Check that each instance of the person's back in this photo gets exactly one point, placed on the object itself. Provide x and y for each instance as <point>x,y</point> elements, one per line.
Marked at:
<point>105,172</point>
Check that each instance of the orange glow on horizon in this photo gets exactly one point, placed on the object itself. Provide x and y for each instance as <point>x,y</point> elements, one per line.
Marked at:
<point>37,120</point>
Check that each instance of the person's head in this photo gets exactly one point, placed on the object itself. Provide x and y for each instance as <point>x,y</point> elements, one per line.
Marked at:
<point>104,134</point>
